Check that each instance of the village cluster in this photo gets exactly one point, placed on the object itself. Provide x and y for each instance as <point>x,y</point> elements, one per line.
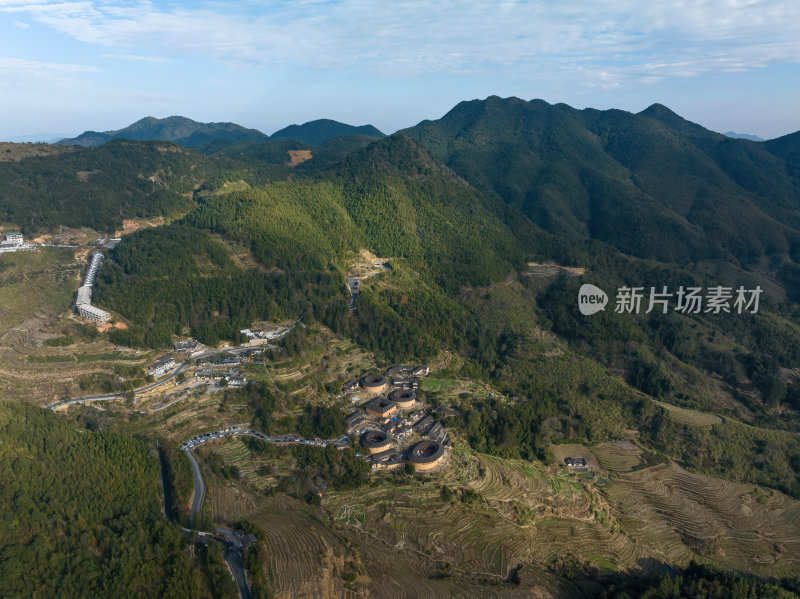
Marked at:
<point>393,425</point>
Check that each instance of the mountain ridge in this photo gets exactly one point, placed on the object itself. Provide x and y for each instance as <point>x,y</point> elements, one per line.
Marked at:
<point>194,134</point>
<point>639,181</point>
<point>318,131</point>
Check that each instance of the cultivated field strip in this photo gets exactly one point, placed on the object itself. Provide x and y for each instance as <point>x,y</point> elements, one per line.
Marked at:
<point>618,456</point>
<point>688,417</point>
<point>688,516</point>
<point>486,538</point>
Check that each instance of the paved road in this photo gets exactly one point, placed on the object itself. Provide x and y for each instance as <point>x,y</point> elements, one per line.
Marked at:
<point>109,396</point>
<point>343,441</point>
<point>234,548</point>
<point>199,487</point>
<point>234,540</point>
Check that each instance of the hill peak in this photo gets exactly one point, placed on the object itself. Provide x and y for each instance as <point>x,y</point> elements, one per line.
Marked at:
<point>671,119</point>
<point>178,129</point>
<point>659,111</point>
<point>321,130</point>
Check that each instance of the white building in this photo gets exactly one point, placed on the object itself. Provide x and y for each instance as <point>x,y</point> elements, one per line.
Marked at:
<point>84,295</point>
<point>162,365</point>
<point>93,313</point>
<point>15,238</point>
<point>83,301</point>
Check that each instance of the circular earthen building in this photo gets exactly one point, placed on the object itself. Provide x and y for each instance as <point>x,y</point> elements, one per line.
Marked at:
<point>426,455</point>
<point>374,383</point>
<point>404,398</point>
<point>376,441</point>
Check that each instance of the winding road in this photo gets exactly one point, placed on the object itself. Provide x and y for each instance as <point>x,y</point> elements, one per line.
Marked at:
<point>110,396</point>
<point>199,488</point>
<point>235,540</point>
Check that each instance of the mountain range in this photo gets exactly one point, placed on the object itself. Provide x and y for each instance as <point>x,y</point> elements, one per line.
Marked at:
<point>652,184</point>
<point>192,134</point>
<point>488,221</point>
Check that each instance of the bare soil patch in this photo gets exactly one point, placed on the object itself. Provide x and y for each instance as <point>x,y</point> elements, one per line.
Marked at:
<point>299,156</point>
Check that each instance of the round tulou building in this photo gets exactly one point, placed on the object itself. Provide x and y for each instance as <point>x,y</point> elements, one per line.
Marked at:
<point>376,441</point>
<point>374,383</point>
<point>404,398</point>
<point>426,455</point>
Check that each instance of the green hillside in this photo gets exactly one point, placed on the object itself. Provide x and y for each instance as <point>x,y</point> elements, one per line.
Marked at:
<point>276,151</point>
<point>489,221</point>
<point>98,187</point>
<point>316,132</point>
<point>81,513</point>
<point>653,185</point>
<point>460,206</point>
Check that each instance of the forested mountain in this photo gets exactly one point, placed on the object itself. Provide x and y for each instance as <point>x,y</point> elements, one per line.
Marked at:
<point>98,187</point>
<point>81,513</point>
<point>476,214</point>
<point>177,129</point>
<point>192,134</point>
<point>276,151</point>
<point>316,132</point>
<point>460,206</point>
<point>651,184</point>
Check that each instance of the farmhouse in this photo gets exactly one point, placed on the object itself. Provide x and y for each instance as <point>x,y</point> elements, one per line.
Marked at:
<point>420,371</point>
<point>575,462</point>
<point>424,425</point>
<point>405,382</point>
<point>398,370</point>
<point>235,380</point>
<point>14,238</point>
<point>186,345</point>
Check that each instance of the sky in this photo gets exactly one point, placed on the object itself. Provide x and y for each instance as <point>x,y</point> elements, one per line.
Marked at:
<point>68,66</point>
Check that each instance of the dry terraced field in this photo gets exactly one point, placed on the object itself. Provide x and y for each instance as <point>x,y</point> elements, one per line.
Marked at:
<point>685,516</point>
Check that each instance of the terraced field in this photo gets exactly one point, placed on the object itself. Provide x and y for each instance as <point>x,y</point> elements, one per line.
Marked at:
<point>523,514</point>
<point>685,516</point>
<point>306,555</point>
<point>618,456</point>
<point>689,417</point>
<point>333,360</point>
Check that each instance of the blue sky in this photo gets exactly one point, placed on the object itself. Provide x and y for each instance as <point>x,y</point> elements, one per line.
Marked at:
<point>67,66</point>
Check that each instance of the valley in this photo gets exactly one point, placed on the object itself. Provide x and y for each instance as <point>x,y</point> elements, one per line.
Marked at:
<point>246,293</point>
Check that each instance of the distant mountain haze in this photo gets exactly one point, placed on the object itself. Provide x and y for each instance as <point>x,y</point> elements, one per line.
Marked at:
<point>178,129</point>
<point>192,134</point>
<point>743,136</point>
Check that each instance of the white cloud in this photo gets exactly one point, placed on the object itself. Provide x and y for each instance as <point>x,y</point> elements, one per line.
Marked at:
<point>626,40</point>
<point>34,67</point>
<point>134,57</point>
<point>16,72</point>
